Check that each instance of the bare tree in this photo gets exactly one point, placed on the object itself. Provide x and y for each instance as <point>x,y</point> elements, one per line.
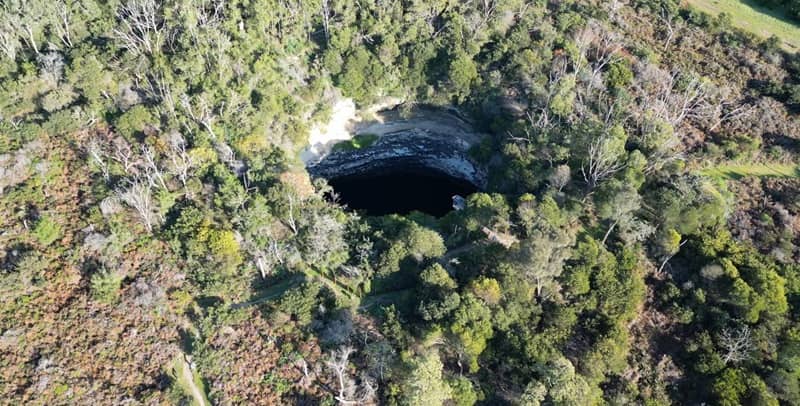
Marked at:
<point>347,391</point>
<point>154,174</point>
<point>266,258</point>
<point>33,18</point>
<point>207,13</point>
<point>619,208</point>
<point>598,47</point>
<point>736,343</point>
<point>727,111</point>
<point>486,11</point>
<point>141,26</point>
<point>125,156</point>
<point>603,159</point>
<point>158,87</point>
<point>379,357</point>
<point>200,112</point>
<point>661,145</point>
<point>182,161</point>
<point>326,19</point>
<point>665,261</point>
<point>64,20</point>
<point>9,38</point>
<point>662,97</point>
<point>290,221</point>
<point>488,8</point>
<point>21,20</point>
<point>138,194</point>
<point>613,7</point>
<point>51,67</point>
<point>338,363</point>
<point>542,258</point>
<point>671,24</point>
<point>99,156</point>
<point>323,235</point>
<point>540,118</point>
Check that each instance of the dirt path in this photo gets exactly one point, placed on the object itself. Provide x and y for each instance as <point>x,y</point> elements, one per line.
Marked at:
<point>188,381</point>
<point>271,292</point>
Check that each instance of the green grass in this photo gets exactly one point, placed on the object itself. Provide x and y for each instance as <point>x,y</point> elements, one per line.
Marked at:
<point>357,142</point>
<point>759,20</point>
<point>738,171</point>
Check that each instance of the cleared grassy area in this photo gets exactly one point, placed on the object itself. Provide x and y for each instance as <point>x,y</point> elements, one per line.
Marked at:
<point>757,19</point>
<point>759,170</point>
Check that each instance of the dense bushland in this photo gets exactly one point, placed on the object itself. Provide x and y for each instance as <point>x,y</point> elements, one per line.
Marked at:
<point>153,207</point>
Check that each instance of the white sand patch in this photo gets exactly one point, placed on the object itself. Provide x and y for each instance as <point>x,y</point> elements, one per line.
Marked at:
<point>323,136</point>
<point>344,116</point>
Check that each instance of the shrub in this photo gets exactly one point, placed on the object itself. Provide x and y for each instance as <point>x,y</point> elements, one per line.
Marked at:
<point>105,286</point>
<point>133,121</point>
<point>225,248</point>
<point>47,231</point>
<point>619,75</point>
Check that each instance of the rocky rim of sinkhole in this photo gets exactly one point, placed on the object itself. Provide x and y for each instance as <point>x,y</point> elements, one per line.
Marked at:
<point>402,138</point>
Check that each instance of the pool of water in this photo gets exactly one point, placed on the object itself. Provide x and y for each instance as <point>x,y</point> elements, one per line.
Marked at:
<point>400,191</point>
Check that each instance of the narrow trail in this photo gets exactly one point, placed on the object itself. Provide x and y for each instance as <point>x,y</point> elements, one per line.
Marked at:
<point>365,302</point>
<point>187,380</point>
<point>272,292</point>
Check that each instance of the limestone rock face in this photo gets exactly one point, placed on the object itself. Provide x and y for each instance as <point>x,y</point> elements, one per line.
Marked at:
<point>433,141</point>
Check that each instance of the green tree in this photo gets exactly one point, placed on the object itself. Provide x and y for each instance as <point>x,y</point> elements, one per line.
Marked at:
<point>472,327</point>
<point>564,386</point>
<point>462,73</point>
<point>424,385</point>
<point>561,104</point>
<point>488,289</point>
<point>413,242</point>
<point>437,295</point>
<point>463,391</point>
<point>133,121</point>
<point>618,204</point>
<point>300,302</point>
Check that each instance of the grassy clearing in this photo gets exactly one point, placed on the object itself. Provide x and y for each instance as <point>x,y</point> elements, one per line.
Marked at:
<point>757,19</point>
<point>759,170</point>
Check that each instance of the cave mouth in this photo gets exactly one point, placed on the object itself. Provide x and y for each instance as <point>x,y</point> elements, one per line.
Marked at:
<point>400,191</point>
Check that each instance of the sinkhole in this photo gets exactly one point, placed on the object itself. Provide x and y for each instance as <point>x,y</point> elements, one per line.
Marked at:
<point>396,163</point>
<point>400,191</point>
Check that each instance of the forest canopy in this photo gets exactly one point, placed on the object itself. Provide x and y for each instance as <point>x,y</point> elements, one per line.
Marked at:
<point>161,241</point>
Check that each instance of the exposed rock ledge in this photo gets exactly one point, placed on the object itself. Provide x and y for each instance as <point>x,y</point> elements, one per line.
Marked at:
<point>430,140</point>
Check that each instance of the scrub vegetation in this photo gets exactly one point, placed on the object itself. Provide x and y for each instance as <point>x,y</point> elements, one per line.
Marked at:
<point>161,242</point>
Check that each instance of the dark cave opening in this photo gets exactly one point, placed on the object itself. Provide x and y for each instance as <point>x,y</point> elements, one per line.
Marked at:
<point>400,191</point>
